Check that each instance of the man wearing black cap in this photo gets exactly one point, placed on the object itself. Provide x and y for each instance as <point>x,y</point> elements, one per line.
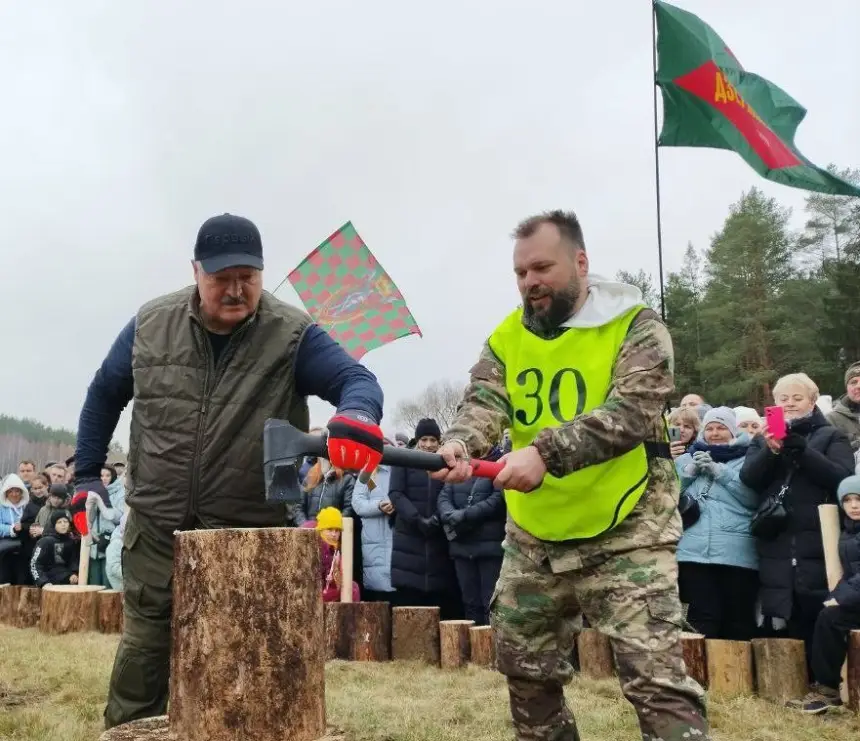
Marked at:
<point>205,367</point>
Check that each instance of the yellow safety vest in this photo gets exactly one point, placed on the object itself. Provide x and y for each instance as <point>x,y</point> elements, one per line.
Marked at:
<point>550,382</point>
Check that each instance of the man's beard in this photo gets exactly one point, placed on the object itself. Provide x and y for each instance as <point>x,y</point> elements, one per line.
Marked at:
<point>560,309</point>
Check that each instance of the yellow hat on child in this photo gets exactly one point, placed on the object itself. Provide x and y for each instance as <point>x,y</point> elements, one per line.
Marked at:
<point>329,518</point>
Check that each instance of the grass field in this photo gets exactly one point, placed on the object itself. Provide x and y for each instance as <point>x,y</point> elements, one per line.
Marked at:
<point>53,689</point>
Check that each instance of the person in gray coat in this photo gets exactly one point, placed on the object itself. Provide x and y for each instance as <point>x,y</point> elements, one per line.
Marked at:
<point>377,535</point>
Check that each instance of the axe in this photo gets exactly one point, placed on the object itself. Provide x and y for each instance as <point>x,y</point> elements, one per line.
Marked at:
<point>284,447</point>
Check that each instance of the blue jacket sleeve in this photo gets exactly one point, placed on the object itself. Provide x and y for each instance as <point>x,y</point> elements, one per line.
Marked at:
<point>325,369</point>
<point>111,390</point>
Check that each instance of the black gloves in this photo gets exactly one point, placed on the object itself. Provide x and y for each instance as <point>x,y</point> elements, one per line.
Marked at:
<point>428,525</point>
<point>794,445</point>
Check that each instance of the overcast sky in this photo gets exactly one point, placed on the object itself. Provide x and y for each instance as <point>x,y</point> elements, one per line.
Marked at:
<point>125,125</point>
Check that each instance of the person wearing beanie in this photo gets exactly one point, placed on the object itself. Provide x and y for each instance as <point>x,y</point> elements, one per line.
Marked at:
<point>422,572</point>
<point>427,435</point>
<point>57,554</point>
<point>749,420</point>
<point>841,613</point>
<point>717,558</point>
<point>845,414</point>
<point>329,525</point>
<point>401,439</point>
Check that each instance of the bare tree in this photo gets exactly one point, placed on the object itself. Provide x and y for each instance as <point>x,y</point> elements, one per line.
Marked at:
<point>438,401</point>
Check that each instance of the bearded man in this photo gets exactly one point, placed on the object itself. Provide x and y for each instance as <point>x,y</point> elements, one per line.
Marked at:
<point>580,375</point>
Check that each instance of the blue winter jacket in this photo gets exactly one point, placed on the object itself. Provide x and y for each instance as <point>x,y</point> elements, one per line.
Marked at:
<point>377,531</point>
<point>721,536</point>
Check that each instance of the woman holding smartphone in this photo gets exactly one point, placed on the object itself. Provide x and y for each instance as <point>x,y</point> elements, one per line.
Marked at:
<point>802,456</point>
<point>684,425</point>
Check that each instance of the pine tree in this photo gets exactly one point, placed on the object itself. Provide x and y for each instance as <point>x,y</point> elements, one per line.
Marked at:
<point>683,306</point>
<point>749,264</point>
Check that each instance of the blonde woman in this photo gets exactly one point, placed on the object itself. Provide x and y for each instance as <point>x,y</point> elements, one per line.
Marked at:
<point>805,468</point>
<point>686,419</point>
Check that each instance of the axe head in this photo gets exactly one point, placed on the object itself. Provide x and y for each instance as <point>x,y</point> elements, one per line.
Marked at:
<point>284,450</point>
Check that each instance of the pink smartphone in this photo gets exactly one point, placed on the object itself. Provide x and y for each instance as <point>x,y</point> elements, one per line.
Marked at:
<point>775,419</point>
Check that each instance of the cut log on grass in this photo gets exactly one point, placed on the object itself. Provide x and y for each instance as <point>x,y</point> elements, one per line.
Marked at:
<point>730,668</point>
<point>158,729</point>
<point>595,654</point>
<point>780,669</point>
<point>110,611</point>
<point>248,652</point>
<point>454,644</point>
<point>358,631</point>
<point>9,604</point>
<point>483,646</point>
<point>69,608</point>
<point>853,673</point>
<point>415,634</point>
<point>695,658</point>
<point>29,607</point>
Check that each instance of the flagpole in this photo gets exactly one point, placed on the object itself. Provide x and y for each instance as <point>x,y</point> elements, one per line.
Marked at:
<point>657,159</point>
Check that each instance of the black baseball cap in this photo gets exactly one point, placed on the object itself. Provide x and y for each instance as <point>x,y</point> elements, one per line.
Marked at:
<point>228,241</point>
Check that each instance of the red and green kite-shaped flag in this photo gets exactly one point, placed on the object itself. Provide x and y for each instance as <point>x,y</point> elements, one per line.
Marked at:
<point>709,100</point>
<point>349,294</point>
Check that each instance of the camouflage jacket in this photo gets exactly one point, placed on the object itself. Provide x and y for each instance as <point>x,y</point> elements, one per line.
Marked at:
<point>643,380</point>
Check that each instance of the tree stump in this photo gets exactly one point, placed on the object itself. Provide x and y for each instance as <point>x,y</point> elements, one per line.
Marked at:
<point>730,668</point>
<point>69,608</point>
<point>780,669</point>
<point>110,611</point>
<point>158,729</point>
<point>248,652</point>
<point>595,654</point>
<point>358,631</point>
<point>415,634</point>
<point>853,674</point>
<point>695,658</point>
<point>454,645</point>
<point>29,607</point>
<point>9,595</point>
<point>483,646</point>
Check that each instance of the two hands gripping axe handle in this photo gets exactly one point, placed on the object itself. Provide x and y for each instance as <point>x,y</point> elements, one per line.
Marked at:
<point>285,446</point>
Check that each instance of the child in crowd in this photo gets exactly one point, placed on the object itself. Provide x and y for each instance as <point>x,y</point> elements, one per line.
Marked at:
<point>58,499</point>
<point>14,497</point>
<point>329,525</point>
<point>841,613</point>
<point>57,554</point>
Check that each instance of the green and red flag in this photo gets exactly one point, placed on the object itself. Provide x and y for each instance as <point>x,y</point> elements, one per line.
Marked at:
<point>710,100</point>
<point>349,294</point>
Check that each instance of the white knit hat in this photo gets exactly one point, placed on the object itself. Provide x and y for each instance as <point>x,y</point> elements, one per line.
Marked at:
<point>747,414</point>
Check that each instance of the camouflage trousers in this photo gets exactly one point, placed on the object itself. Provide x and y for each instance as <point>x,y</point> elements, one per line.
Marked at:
<point>542,594</point>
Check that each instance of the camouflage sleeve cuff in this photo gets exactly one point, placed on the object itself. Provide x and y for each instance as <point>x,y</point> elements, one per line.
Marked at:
<point>550,449</point>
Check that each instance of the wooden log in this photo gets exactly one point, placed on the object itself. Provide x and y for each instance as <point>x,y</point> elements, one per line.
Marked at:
<point>110,611</point>
<point>595,654</point>
<point>853,674</point>
<point>346,554</point>
<point>9,595</point>
<point>248,651</point>
<point>29,607</point>
<point>455,647</point>
<point>358,631</point>
<point>730,668</point>
<point>69,608</point>
<point>483,646</point>
<point>158,729</point>
<point>415,634</point>
<point>780,669</point>
<point>695,658</point>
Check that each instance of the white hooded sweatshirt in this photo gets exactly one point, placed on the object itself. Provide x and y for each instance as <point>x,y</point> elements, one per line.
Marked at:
<point>607,300</point>
<point>10,514</point>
